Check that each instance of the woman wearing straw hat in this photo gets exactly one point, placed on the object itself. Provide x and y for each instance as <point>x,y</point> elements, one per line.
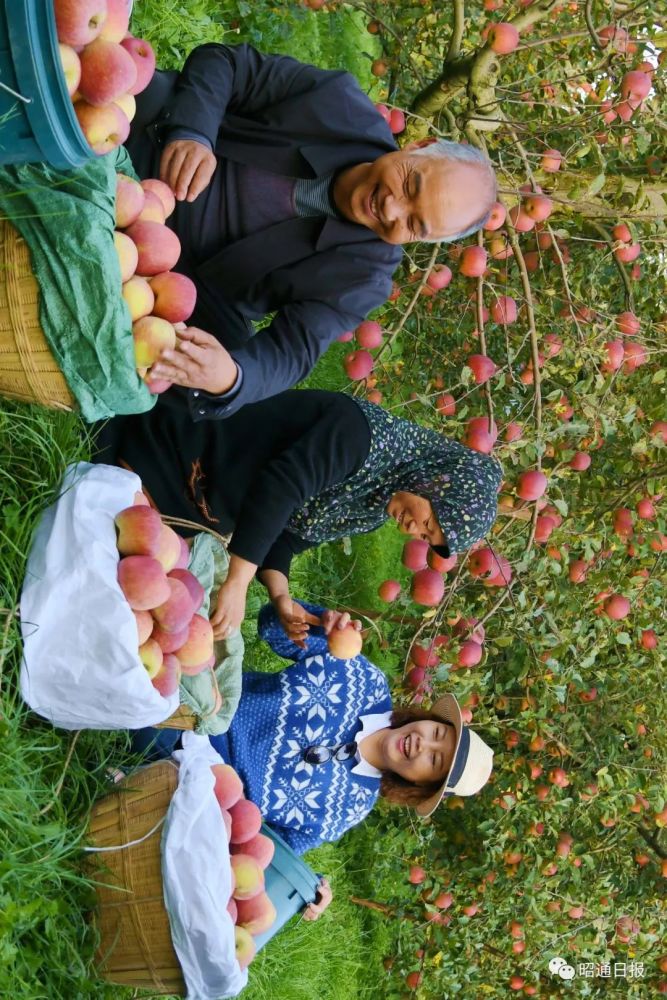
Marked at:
<point>298,469</point>
<point>316,743</point>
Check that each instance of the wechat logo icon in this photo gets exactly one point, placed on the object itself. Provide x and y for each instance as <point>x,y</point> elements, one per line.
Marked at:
<point>559,967</point>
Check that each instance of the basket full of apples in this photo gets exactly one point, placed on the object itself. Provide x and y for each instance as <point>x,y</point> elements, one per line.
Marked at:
<point>114,614</point>
<point>211,881</point>
<point>70,71</point>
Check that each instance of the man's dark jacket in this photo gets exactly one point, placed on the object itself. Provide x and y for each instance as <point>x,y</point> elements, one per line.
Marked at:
<point>322,275</point>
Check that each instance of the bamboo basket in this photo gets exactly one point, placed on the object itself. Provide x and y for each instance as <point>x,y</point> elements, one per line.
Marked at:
<point>28,370</point>
<point>135,938</point>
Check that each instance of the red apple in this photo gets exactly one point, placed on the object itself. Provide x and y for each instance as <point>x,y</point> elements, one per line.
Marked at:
<point>627,323</point>
<point>175,296</point>
<point>551,161</point>
<point>445,404</point>
<point>159,248</point>
<point>71,65</point>
<point>473,261</point>
<point>439,277</point>
<point>369,334</point>
<point>414,554</point>
<point>427,588</point>
<point>503,310</point>
<point>580,461</point>
<point>104,128</point>
<point>496,217</point>
<point>635,86</point>
<point>389,590</point>
<point>617,607</point>
<point>503,37</point>
<point>117,20</point>
<point>531,485</point>
<point>144,61</point>
<point>482,367</point>
<point>358,365</point>
<point>107,72</point>
<point>396,121</point>
<point>129,200</point>
<point>538,207</point>
<point>78,22</point>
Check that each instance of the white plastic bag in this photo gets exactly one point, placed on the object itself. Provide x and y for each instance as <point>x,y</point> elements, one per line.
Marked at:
<point>81,668</point>
<point>197,879</point>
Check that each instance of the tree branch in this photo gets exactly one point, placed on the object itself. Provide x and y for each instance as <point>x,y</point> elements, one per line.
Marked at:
<point>588,16</point>
<point>607,237</point>
<point>457,32</point>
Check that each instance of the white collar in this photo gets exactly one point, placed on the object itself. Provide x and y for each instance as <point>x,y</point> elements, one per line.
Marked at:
<point>369,725</point>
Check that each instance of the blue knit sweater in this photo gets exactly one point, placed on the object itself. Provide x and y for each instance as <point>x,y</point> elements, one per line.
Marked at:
<point>317,700</point>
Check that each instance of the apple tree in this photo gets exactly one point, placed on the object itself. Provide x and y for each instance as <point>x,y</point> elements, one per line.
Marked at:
<point>542,341</point>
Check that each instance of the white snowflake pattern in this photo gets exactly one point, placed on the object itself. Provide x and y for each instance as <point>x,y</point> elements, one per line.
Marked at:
<point>359,805</point>
<point>294,806</point>
<point>378,691</point>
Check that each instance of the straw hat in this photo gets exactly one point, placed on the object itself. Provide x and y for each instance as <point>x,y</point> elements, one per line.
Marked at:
<point>472,761</point>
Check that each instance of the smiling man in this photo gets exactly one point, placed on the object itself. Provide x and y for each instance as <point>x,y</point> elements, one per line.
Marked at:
<point>292,199</point>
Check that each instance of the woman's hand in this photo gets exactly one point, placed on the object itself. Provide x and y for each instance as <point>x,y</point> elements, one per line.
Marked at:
<point>338,619</point>
<point>229,608</point>
<point>295,620</point>
<point>324,897</point>
<point>187,166</point>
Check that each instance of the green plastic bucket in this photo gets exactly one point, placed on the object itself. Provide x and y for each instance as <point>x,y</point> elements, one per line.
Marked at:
<point>37,120</point>
<point>289,883</point>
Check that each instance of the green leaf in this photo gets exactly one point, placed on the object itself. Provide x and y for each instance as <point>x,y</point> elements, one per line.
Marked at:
<point>623,639</point>
<point>596,185</point>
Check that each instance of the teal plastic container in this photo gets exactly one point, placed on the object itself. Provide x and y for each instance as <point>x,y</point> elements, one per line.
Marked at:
<point>37,120</point>
<point>289,883</point>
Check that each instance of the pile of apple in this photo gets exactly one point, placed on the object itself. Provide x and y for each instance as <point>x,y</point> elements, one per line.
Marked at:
<point>164,596</point>
<point>105,67</point>
<point>251,852</point>
<point>157,297</point>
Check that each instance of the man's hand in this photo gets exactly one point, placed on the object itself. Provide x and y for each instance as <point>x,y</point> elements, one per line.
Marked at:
<point>338,619</point>
<point>187,167</point>
<point>295,620</point>
<point>198,362</point>
<point>324,897</point>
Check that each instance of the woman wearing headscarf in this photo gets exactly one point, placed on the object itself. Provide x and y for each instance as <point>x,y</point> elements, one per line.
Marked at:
<point>298,469</point>
<point>318,742</point>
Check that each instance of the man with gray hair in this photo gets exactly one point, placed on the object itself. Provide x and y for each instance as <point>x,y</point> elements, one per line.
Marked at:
<point>292,199</point>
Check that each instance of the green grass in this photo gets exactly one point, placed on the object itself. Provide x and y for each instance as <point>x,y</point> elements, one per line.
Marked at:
<point>332,40</point>
<point>49,778</point>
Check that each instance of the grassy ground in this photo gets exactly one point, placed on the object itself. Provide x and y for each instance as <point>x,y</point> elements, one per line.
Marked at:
<point>49,778</point>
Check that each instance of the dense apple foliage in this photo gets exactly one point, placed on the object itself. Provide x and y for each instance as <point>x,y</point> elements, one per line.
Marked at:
<point>543,343</point>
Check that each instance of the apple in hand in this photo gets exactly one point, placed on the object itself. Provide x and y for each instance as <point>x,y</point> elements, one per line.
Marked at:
<point>152,335</point>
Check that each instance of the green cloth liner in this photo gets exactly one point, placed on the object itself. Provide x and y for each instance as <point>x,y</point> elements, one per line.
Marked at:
<point>67,221</point>
<point>209,562</point>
